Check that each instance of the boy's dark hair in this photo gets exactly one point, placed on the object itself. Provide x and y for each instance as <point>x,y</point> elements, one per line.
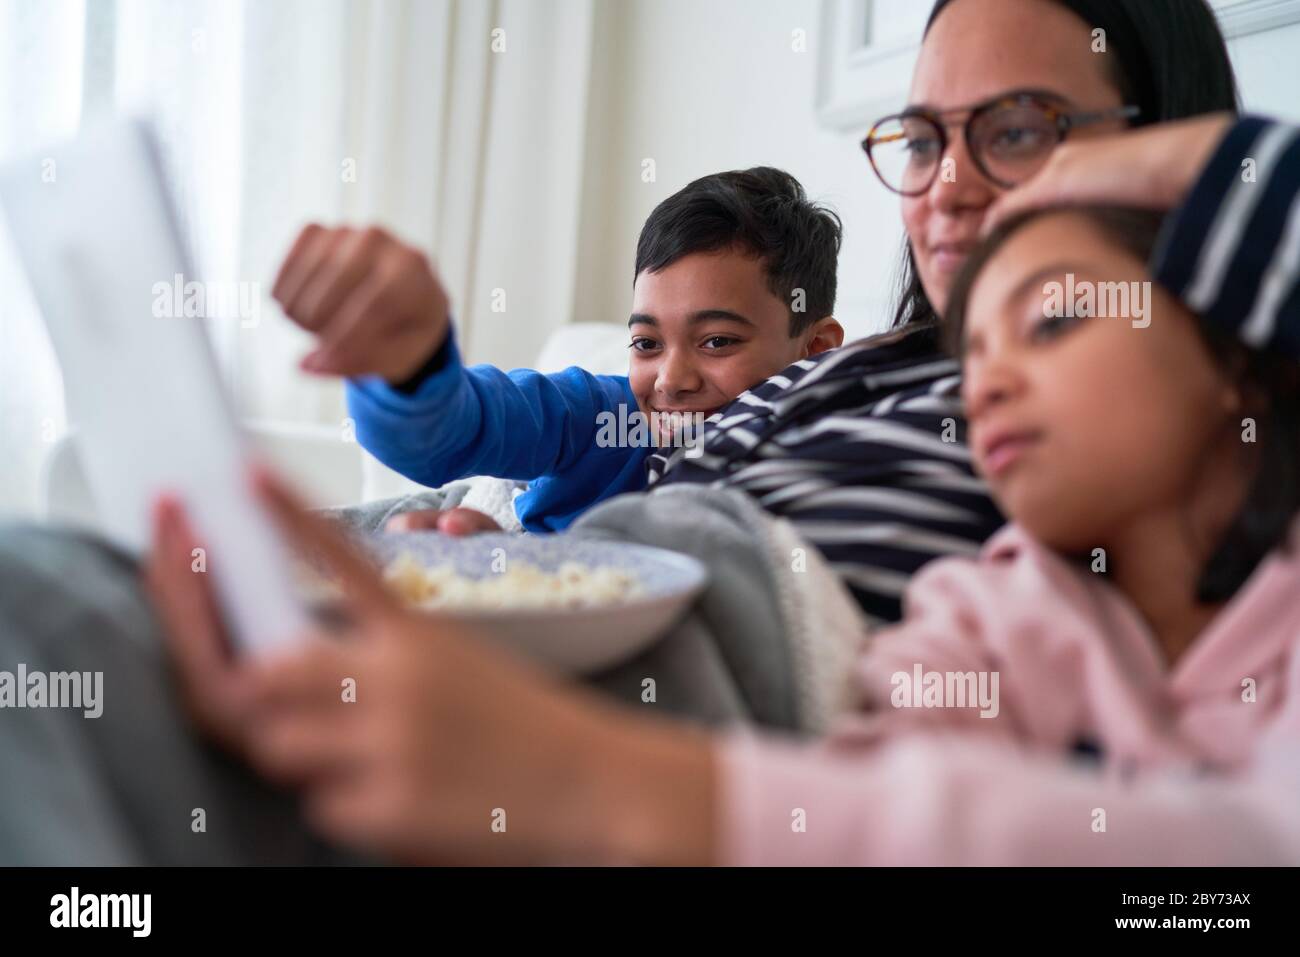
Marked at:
<point>1270,384</point>
<point>763,212</point>
<point>1169,59</point>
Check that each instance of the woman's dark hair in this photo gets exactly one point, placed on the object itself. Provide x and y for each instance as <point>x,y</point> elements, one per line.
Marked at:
<point>1270,384</point>
<point>1168,57</point>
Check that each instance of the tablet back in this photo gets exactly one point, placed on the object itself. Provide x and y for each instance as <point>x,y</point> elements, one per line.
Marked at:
<point>94,227</point>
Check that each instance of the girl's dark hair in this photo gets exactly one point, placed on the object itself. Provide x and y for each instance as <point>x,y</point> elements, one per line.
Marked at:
<point>1167,57</point>
<point>1270,384</point>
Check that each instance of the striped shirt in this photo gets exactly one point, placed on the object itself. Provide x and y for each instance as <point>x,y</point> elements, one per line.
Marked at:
<point>1231,252</point>
<point>864,450</point>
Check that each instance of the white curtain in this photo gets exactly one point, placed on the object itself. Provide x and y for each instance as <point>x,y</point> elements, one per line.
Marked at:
<point>459,124</point>
<point>35,39</point>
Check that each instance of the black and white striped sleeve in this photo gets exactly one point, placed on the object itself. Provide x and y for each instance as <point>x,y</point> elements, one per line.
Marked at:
<point>1231,252</point>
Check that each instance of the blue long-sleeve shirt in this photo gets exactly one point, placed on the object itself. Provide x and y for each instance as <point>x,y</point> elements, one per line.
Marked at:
<point>549,430</point>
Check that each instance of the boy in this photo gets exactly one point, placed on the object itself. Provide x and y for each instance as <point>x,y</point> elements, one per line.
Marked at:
<point>734,281</point>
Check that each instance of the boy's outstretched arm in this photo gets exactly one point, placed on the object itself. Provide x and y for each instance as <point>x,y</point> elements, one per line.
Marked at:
<point>483,421</point>
<point>382,318</point>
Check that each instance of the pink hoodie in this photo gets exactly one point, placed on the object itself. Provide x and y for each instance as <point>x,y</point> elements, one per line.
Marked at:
<point>1198,765</point>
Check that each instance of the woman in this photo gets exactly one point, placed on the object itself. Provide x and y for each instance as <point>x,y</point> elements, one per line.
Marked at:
<point>572,775</point>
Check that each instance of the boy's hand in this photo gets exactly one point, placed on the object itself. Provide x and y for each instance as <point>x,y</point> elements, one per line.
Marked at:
<point>449,521</point>
<point>376,305</point>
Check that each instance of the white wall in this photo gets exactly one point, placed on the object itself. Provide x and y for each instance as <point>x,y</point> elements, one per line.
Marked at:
<point>1268,69</point>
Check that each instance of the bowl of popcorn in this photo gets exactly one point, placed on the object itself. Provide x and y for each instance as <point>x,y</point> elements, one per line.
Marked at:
<point>577,605</point>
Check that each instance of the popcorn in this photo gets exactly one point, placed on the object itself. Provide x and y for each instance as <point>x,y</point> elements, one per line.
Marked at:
<point>520,586</point>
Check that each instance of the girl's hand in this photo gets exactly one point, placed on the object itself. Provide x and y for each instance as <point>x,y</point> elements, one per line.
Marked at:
<point>1153,167</point>
<point>213,682</point>
<point>421,743</point>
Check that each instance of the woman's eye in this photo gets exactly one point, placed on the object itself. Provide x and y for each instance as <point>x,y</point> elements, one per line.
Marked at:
<point>922,148</point>
<point>719,342</point>
<point>643,345</point>
<point>1018,140</point>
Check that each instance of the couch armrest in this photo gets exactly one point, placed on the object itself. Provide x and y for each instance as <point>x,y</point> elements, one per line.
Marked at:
<point>319,460</point>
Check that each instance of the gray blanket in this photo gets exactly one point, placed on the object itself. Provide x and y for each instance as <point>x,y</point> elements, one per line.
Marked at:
<point>768,642</point>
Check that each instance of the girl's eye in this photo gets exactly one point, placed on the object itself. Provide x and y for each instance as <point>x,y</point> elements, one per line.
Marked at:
<point>719,342</point>
<point>1045,329</point>
<point>641,344</point>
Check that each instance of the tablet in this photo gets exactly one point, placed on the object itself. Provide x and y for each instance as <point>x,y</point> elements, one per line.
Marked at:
<point>95,228</point>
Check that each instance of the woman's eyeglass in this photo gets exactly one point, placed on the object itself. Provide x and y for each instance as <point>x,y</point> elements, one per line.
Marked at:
<point>1009,139</point>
